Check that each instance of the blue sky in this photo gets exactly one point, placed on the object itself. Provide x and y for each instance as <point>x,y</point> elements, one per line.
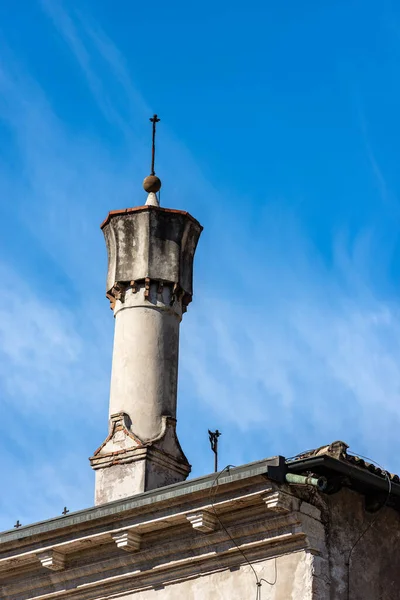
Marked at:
<point>280,134</point>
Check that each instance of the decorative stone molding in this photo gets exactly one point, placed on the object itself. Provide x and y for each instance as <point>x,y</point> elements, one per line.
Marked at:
<point>142,465</point>
<point>147,288</point>
<point>118,445</point>
<point>117,292</point>
<point>172,551</point>
<point>152,289</point>
<point>128,541</point>
<point>123,446</point>
<point>53,560</point>
<point>278,502</point>
<point>151,242</point>
<point>204,521</point>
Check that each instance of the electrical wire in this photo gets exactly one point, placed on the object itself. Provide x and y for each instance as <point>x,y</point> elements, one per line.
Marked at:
<point>212,500</point>
<point>372,522</point>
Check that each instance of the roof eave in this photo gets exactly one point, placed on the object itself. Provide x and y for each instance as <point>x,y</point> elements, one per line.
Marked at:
<point>362,479</point>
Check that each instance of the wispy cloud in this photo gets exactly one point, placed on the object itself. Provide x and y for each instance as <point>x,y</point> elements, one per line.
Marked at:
<point>54,378</point>
<point>382,185</point>
<point>103,68</point>
<point>109,80</point>
<point>95,54</point>
<point>47,363</point>
<point>304,351</point>
<point>42,489</point>
<point>279,344</point>
<point>37,340</point>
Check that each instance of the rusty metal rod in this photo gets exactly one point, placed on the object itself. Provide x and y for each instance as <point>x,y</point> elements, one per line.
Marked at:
<point>153,120</point>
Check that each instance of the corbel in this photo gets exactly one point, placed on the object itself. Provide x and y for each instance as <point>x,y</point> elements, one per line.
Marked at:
<point>52,559</point>
<point>278,502</point>
<point>147,288</point>
<point>204,521</point>
<point>112,300</point>
<point>128,541</point>
<point>176,291</point>
<point>117,292</point>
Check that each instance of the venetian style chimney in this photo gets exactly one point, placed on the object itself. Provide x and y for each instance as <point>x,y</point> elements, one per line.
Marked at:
<point>149,284</point>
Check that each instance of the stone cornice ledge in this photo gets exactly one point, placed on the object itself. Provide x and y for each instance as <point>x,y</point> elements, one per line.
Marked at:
<point>169,495</point>
<point>144,524</point>
<point>131,560</point>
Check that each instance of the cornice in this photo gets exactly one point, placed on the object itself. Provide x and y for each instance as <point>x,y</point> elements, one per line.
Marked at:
<point>147,208</point>
<point>268,521</point>
<point>166,498</point>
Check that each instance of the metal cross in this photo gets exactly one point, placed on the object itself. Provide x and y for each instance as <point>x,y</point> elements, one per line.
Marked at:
<point>214,435</point>
<point>17,524</point>
<point>65,511</point>
<point>154,119</point>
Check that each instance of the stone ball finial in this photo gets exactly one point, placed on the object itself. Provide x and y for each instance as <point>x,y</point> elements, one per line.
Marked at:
<point>152,183</point>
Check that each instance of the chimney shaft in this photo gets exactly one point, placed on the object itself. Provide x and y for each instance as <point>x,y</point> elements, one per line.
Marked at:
<point>149,284</point>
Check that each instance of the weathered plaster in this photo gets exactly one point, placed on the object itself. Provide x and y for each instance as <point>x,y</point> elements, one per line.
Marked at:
<point>126,466</point>
<point>171,549</point>
<point>149,285</point>
<point>375,561</point>
<point>289,574</point>
<point>151,242</point>
<point>145,359</point>
<point>170,543</point>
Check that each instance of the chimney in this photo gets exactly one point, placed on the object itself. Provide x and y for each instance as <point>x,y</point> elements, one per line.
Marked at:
<point>149,285</point>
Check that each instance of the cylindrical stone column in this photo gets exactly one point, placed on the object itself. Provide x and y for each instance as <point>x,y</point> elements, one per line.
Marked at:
<point>145,358</point>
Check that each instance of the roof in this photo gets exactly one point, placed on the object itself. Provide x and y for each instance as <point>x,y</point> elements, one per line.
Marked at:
<point>345,469</point>
<point>331,461</point>
<point>270,468</point>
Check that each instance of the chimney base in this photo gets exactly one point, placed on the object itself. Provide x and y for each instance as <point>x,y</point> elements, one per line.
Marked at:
<point>126,466</point>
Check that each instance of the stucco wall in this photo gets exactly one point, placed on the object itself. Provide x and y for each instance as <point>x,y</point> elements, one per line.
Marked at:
<point>292,574</point>
<point>375,560</point>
